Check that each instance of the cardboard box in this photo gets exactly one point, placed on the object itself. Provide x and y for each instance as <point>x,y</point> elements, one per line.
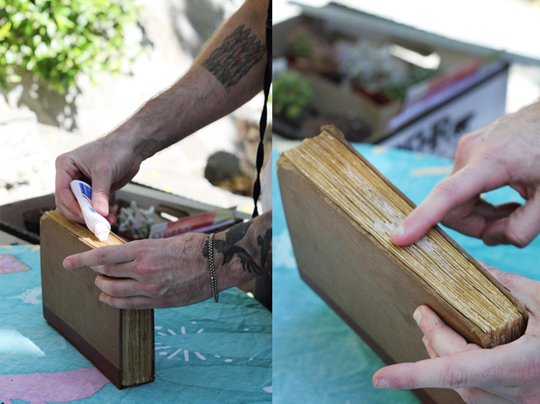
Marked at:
<point>467,95</point>
<point>12,215</point>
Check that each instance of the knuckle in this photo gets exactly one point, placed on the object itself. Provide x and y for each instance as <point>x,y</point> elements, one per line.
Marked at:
<point>465,142</point>
<point>429,326</point>
<point>102,255</point>
<point>138,247</point>
<point>454,377</point>
<point>517,237</point>
<point>106,286</point>
<point>445,188</point>
<point>128,304</point>
<point>155,289</point>
<point>531,370</point>
<point>60,160</point>
<point>106,270</point>
<point>150,289</point>
<point>141,269</point>
<point>133,248</point>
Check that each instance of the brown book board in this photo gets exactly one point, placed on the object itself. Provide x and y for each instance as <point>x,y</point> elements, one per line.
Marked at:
<point>120,343</point>
<point>362,278</point>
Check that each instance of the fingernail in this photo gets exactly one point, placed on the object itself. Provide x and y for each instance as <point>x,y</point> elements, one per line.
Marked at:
<point>66,263</point>
<point>417,315</point>
<point>381,383</point>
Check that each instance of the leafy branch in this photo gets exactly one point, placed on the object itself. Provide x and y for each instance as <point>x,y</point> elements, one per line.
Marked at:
<point>58,40</point>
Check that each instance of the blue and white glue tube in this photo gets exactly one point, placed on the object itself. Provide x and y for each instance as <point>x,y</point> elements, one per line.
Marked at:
<point>96,223</point>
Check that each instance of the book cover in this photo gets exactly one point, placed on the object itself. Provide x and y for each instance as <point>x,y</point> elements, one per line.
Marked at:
<point>120,343</point>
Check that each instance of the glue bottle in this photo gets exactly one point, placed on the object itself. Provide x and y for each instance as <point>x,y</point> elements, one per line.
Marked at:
<point>94,221</point>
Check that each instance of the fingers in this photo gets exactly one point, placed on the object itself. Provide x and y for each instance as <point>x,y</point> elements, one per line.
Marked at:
<point>492,212</point>
<point>474,368</point>
<point>122,270</point>
<point>453,191</point>
<point>429,349</point>
<point>115,287</point>
<point>519,228</point>
<point>68,206</point>
<point>135,302</point>
<point>438,336</point>
<point>64,198</point>
<point>100,256</point>
<point>470,218</point>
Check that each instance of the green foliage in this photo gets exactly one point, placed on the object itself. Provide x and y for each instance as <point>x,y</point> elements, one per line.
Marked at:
<point>57,40</point>
<point>291,93</point>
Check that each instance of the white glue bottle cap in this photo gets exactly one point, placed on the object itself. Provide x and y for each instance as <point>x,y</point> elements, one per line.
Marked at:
<point>101,230</point>
<point>94,221</point>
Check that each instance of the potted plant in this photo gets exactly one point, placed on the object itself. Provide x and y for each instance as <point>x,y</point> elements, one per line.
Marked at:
<point>306,51</point>
<point>291,95</point>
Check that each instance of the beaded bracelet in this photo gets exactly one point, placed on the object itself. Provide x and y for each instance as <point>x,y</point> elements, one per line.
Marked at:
<point>211,266</point>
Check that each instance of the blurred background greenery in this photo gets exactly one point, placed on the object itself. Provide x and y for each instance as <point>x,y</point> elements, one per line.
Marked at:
<point>55,41</point>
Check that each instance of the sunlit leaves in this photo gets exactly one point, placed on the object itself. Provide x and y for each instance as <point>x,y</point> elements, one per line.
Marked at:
<point>58,40</point>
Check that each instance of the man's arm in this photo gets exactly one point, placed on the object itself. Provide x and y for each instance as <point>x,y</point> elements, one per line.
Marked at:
<point>243,252</point>
<point>227,73</point>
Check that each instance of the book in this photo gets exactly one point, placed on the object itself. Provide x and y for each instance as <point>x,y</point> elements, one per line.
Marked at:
<point>120,343</point>
<point>340,213</point>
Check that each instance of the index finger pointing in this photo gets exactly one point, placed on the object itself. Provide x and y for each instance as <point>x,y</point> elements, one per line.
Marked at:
<point>451,192</point>
<point>99,256</point>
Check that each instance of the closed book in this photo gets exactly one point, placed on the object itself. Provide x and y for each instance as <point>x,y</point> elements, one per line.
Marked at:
<point>120,343</point>
<point>340,213</point>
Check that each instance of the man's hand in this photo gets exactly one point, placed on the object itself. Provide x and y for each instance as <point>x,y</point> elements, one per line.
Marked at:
<point>149,273</point>
<point>506,374</point>
<point>107,164</point>
<point>174,271</point>
<point>505,153</point>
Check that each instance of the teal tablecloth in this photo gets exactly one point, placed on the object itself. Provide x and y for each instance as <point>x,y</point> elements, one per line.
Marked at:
<point>205,353</point>
<point>317,357</point>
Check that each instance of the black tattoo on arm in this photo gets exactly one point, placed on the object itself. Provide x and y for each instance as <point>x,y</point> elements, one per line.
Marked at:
<point>265,243</point>
<point>238,53</point>
<point>257,260</point>
<point>230,248</point>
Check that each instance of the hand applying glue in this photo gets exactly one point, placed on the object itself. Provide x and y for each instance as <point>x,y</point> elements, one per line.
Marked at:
<point>96,223</point>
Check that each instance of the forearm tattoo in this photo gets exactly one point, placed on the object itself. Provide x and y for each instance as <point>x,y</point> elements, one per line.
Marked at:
<point>259,240</point>
<point>238,53</point>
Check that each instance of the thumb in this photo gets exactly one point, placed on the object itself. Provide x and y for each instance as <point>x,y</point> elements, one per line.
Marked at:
<point>101,187</point>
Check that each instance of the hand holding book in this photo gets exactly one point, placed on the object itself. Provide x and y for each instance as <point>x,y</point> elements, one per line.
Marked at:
<point>507,373</point>
<point>341,211</point>
<point>174,271</point>
<point>504,153</point>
